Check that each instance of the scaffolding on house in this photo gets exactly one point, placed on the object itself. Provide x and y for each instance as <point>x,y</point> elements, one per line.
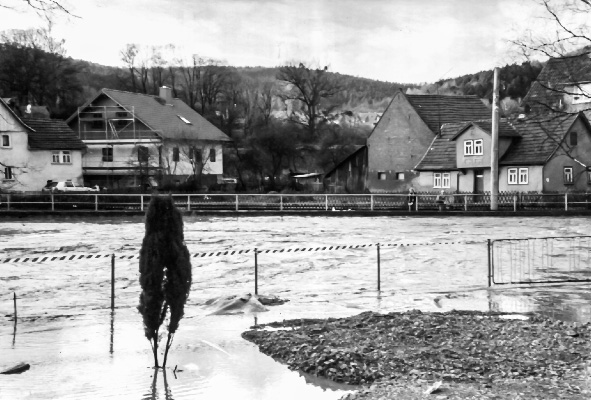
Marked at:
<point>110,123</point>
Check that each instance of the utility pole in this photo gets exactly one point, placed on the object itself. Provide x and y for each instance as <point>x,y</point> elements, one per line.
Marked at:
<point>494,154</point>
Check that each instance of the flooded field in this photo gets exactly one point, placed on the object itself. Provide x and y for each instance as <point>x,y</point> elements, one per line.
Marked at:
<point>78,347</point>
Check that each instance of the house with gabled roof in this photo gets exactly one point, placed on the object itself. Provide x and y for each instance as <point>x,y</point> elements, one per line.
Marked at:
<point>34,151</point>
<point>550,153</point>
<point>136,139</point>
<point>406,130</point>
<point>563,85</point>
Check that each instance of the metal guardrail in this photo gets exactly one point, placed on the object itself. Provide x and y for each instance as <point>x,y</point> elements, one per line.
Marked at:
<point>99,201</point>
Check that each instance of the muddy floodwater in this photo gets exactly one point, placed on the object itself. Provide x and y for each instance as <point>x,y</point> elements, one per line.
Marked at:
<point>78,348</point>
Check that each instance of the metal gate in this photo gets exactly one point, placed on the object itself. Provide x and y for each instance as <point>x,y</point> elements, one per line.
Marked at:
<point>539,260</point>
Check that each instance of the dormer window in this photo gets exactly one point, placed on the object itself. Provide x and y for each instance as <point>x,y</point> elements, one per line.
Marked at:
<point>185,120</point>
<point>573,138</point>
<point>473,147</point>
<point>582,93</point>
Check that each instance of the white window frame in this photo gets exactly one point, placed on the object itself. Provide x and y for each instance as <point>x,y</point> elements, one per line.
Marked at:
<point>478,147</point>
<point>568,175</point>
<point>61,157</point>
<point>7,136</point>
<point>468,147</point>
<point>512,175</point>
<point>441,180</point>
<point>399,176</point>
<point>523,176</point>
<point>381,176</point>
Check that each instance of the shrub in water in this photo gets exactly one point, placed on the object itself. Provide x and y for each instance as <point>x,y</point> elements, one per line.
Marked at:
<point>165,272</point>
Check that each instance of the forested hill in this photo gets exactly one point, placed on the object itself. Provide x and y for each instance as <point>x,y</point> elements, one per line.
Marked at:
<point>515,81</point>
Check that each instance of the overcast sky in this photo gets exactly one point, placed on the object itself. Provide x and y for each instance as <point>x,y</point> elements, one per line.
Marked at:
<point>407,41</point>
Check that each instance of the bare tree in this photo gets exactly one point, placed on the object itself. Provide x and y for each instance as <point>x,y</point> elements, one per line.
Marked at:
<point>45,6</point>
<point>128,56</point>
<point>309,87</point>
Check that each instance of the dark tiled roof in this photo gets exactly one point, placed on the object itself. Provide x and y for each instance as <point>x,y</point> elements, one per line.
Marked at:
<point>540,137</point>
<point>441,155</point>
<point>554,77</point>
<point>437,110</point>
<point>162,117</point>
<point>52,134</point>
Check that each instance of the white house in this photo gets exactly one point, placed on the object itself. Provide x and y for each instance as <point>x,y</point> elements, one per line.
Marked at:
<point>135,139</point>
<point>33,151</point>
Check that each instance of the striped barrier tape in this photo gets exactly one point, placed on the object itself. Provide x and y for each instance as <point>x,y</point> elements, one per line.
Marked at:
<point>229,252</point>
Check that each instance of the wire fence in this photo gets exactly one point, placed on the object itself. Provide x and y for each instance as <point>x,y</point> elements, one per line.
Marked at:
<point>98,201</point>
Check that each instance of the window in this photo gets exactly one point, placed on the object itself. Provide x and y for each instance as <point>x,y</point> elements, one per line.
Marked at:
<point>107,154</point>
<point>143,154</point>
<point>582,93</point>
<point>381,176</point>
<point>478,148</point>
<point>568,175</point>
<point>8,173</point>
<point>185,120</point>
<point>573,138</point>
<point>5,140</point>
<point>399,176</point>
<point>473,147</point>
<point>589,177</point>
<point>441,180</point>
<point>523,176</point>
<point>468,147</point>
<point>61,157</point>
<point>175,154</point>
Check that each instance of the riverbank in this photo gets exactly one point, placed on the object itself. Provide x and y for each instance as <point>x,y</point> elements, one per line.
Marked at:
<point>453,355</point>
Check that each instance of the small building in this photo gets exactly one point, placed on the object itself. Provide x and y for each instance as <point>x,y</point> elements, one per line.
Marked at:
<point>136,139</point>
<point>349,175</point>
<point>406,130</point>
<point>550,153</point>
<point>34,150</point>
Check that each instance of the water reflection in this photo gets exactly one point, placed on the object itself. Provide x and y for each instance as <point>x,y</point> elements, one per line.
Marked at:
<point>153,393</point>
<point>112,332</point>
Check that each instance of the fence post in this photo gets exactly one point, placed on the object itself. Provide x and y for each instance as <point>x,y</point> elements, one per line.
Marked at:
<point>52,204</point>
<point>142,202</point>
<point>236,202</point>
<point>280,202</point>
<point>15,313</point>
<point>489,274</point>
<point>379,277</point>
<point>371,201</point>
<point>417,203</point>
<point>566,202</point>
<point>189,202</point>
<point>112,281</point>
<point>465,203</point>
<point>256,272</point>
<point>96,202</point>
<point>515,203</point>
<point>325,202</point>
<point>8,201</point>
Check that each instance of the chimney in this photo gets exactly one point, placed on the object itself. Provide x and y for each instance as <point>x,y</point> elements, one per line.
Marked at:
<point>166,94</point>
